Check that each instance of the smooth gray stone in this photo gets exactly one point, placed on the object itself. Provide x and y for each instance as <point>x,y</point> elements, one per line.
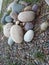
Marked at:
<point>8,19</point>
<point>3,18</point>
<point>17,7</point>
<point>10,41</point>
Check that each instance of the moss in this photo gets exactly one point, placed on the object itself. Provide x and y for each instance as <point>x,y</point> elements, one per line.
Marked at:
<point>31,1</point>
<point>40,56</point>
<point>1,27</point>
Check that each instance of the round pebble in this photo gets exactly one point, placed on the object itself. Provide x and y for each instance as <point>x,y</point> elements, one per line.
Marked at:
<point>28,8</point>
<point>44,26</point>
<point>13,15</point>
<point>15,7</point>
<point>26,16</point>
<point>3,18</point>
<point>6,29</point>
<point>28,26</point>
<point>10,41</point>
<point>8,19</point>
<point>29,36</point>
<point>17,33</point>
<point>35,7</point>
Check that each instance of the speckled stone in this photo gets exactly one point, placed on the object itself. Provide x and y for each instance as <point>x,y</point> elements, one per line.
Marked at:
<point>26,16</point>
<point>16,33</point>
<point>35,7</point>
<point>6,29</point>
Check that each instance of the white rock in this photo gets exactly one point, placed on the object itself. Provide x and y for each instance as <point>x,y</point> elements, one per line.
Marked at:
<point>16,33</point>
<point>44,26</point>
<point>29,35</point>
<point>26,16</point>
<point>47,1</point>
<point>6,29</point>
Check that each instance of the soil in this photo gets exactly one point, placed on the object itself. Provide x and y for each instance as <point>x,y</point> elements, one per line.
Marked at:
<point>24,52</point>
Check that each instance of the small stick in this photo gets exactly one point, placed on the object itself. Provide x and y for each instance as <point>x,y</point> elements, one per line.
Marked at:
<point>36,29</point>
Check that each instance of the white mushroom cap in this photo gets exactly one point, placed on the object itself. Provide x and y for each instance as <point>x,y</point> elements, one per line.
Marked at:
<point>16,33</point>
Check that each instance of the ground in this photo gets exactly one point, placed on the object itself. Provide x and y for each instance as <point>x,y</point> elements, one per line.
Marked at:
<point>23,54</point>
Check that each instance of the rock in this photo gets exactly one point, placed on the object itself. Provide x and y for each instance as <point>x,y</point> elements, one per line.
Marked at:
<point>44,26</point>
<point>47,1</point>
<point>8,19</point>
<point>17,33</point>
<point>23,3</point>
<point>26,16</point>
<point>28,26</point>
<point>13,15</point>
<point>29,36</point>
<point>15,7</point>
<point>3,18</point>
<point>35,7</point>
<point>28,8</point>
<point>10,41</point>
<point>6,29</point>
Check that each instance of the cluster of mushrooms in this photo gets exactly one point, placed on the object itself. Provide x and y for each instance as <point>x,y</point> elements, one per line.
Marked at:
<point>18,22</point>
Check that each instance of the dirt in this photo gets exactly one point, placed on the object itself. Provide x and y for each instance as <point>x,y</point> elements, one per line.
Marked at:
<point>24,53</point>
